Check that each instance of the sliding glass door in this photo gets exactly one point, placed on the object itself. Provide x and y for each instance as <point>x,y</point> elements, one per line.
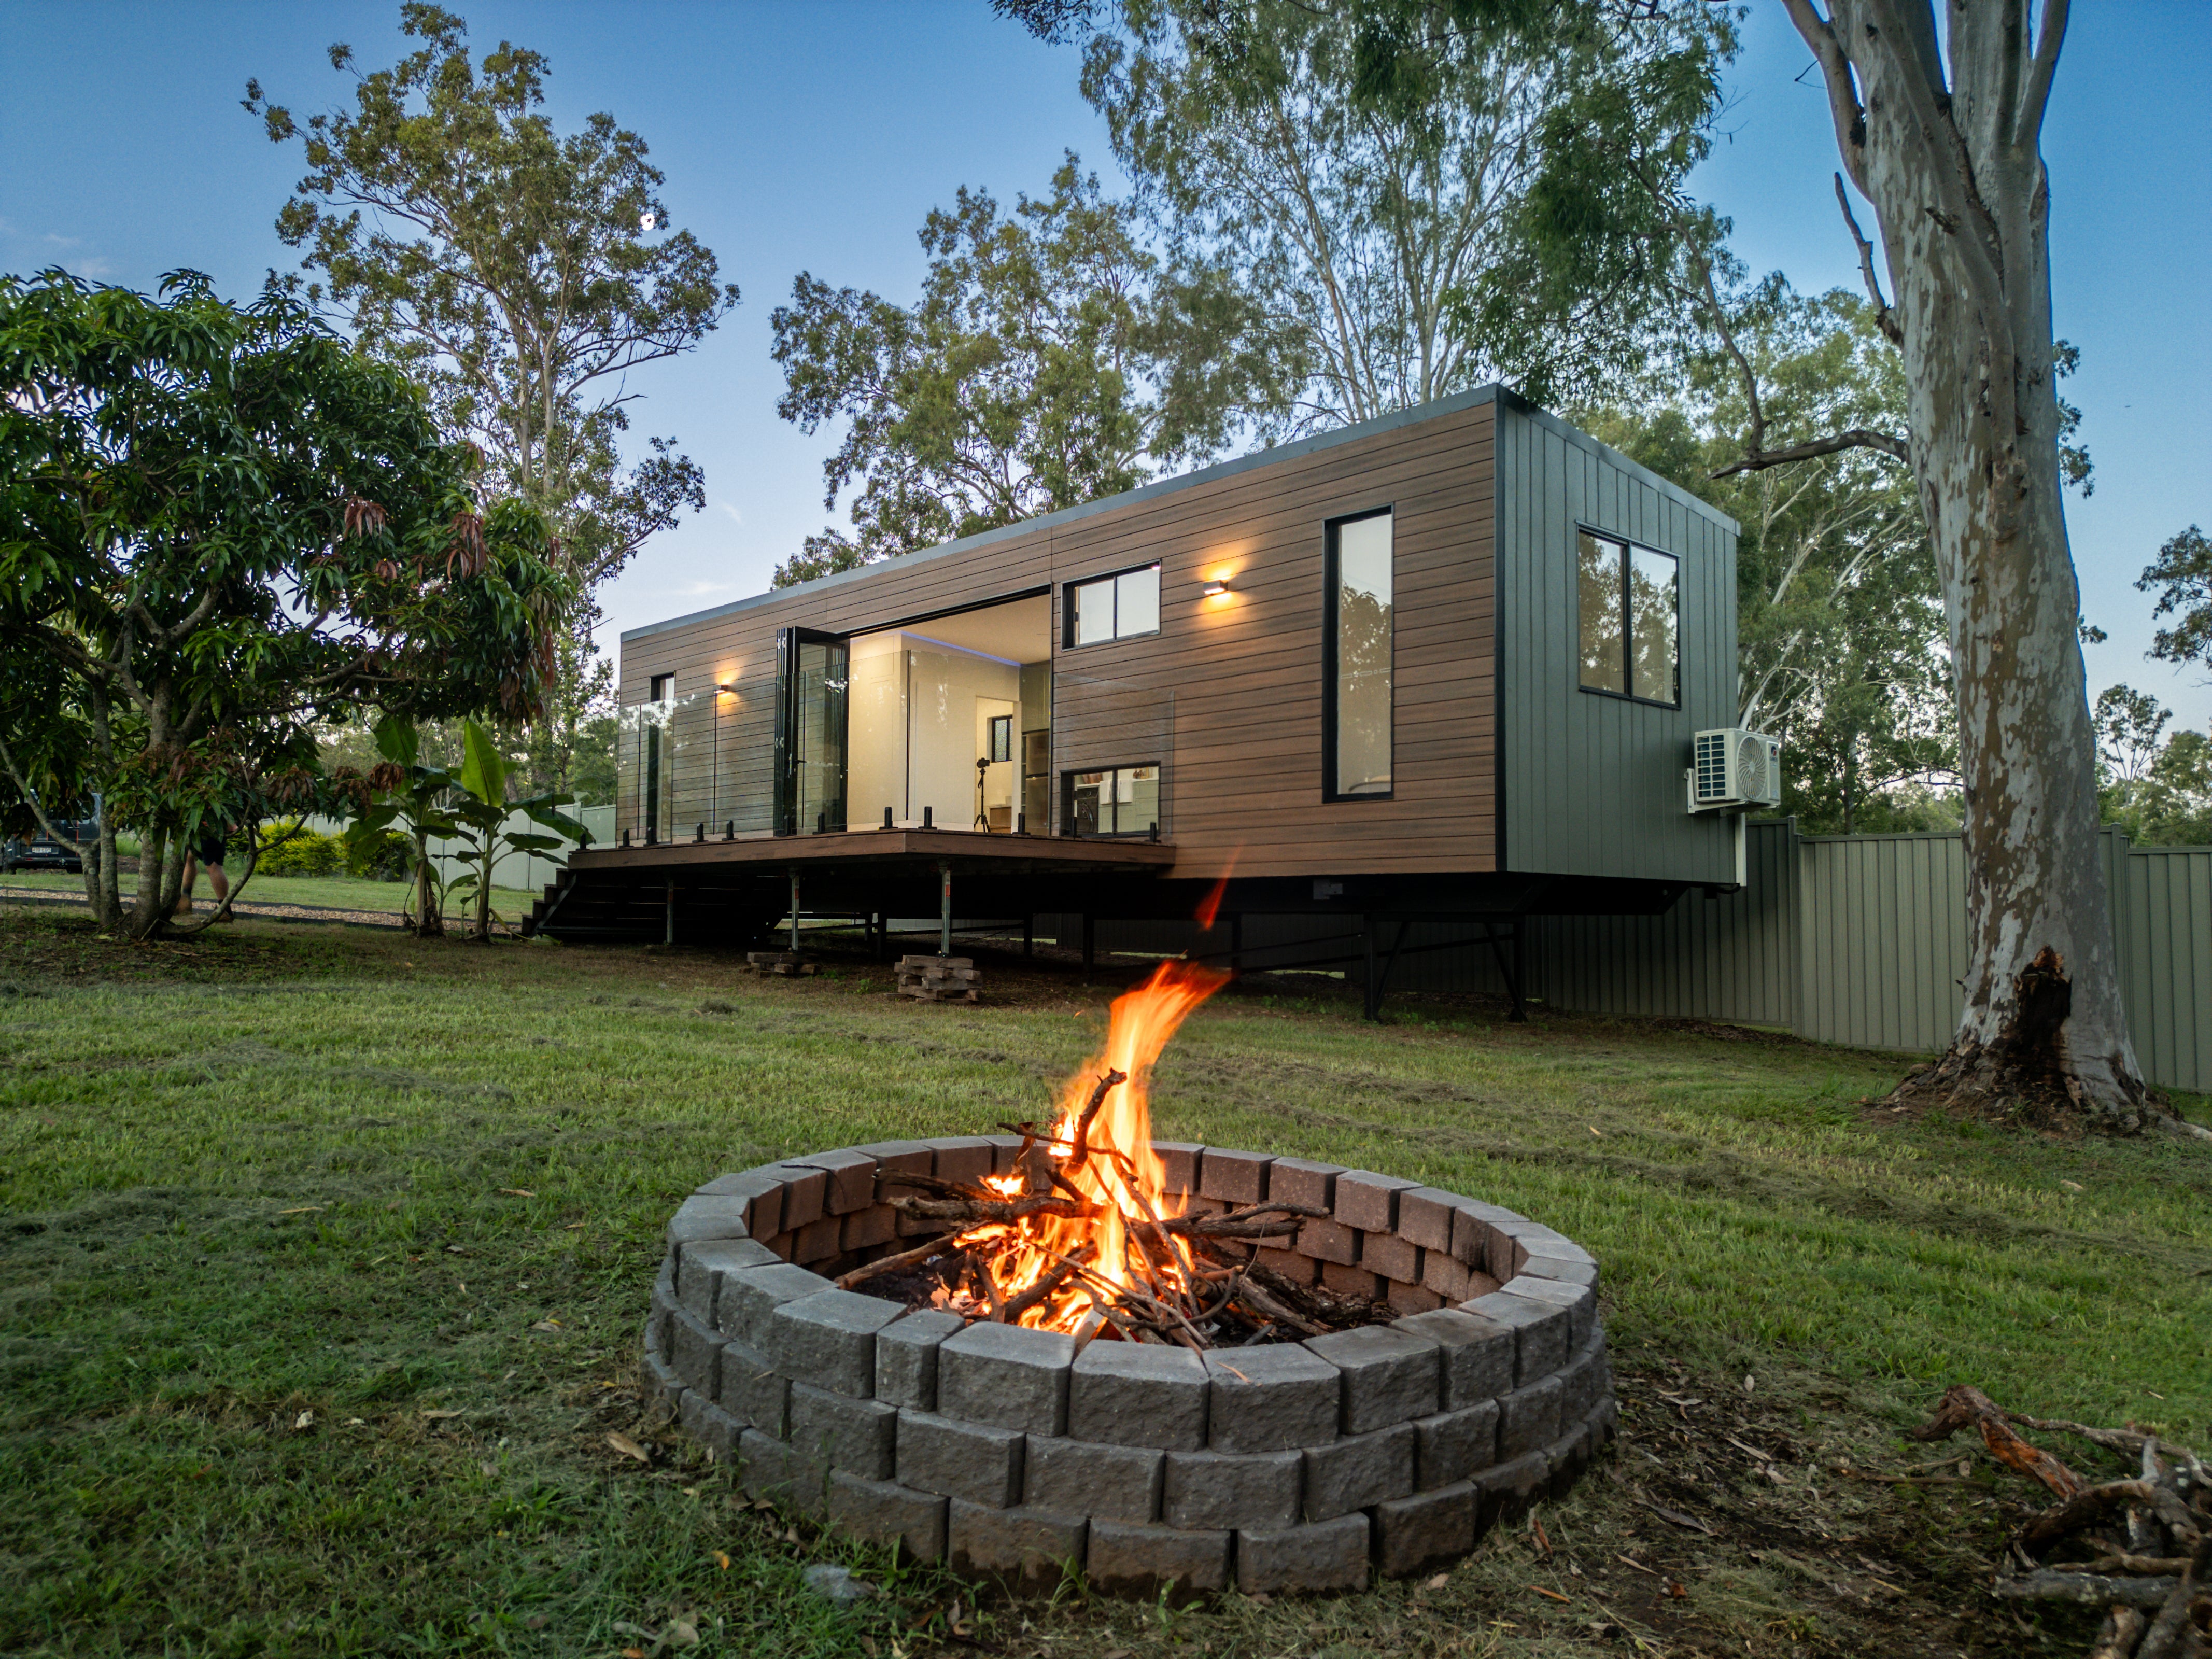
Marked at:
<point>812,680</point>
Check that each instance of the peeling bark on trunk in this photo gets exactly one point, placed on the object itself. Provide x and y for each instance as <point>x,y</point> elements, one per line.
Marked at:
<point>1949,155</point>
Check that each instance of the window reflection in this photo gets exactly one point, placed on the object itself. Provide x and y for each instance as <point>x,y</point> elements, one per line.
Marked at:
<point>1628,610</point>
<point>1360,596</point>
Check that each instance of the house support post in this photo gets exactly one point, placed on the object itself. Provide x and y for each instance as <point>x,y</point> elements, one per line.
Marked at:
<point>794,913</point>
<point>668,935</point>
<point>1089,941</point>
<point>1378,982</point>
<point>1029,934</point>
<point>945,907</point>
<point>1510,972</point>
<point>1236,943</point>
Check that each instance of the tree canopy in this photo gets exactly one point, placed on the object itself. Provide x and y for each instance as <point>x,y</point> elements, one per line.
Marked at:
<point>1051,358</point>
<point>221,528</point>
<point>521,273</point>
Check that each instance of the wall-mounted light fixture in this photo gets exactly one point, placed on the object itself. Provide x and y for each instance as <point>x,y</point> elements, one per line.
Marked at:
<point>1217,586</point>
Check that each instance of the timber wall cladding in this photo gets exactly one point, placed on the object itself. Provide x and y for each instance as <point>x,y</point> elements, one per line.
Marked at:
<point>1227,695</point>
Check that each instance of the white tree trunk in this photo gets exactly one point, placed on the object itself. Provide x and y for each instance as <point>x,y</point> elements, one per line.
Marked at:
<point>1949,155</point>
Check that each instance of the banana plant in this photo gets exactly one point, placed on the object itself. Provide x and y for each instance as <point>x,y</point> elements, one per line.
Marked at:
<point>413,796</point>
<point>482,811</point>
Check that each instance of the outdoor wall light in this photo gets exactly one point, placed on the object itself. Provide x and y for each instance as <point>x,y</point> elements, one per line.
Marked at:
<point>1218,587</point>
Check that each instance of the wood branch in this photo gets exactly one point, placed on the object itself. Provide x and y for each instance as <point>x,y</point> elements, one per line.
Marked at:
<point>2147,1566</point>
<point>891,1264</point>
<point>2115,1639</point>
<point>1256,1298</point>
<point>932,1184</point>
<point>1967,1407</point>
<point>1047,1286</point>
<point>1106,1082</point>
<point>2087,1589</point>
<point>1758,460</point>
<point>1004,1211</point>
<point>2027,121</point>
<point>2127,1441</point>
<point>1884,318</point>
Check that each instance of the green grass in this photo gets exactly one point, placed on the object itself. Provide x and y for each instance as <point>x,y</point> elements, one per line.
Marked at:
<point>279,1201</point>
<point>319,892</point>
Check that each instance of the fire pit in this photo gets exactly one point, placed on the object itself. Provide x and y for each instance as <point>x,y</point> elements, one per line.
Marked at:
<point>1175,1367</point>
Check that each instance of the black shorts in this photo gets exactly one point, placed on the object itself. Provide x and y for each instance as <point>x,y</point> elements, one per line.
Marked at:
<point>209,847</point>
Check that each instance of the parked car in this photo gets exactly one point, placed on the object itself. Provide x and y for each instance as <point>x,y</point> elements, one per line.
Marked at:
<point>42,852</point>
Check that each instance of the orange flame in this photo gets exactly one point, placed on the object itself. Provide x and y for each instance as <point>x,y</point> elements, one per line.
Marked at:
<point>1122,1175</point>
<point>1210,905</point>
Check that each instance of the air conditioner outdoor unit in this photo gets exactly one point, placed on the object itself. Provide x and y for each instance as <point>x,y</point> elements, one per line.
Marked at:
<point>1735,768</point>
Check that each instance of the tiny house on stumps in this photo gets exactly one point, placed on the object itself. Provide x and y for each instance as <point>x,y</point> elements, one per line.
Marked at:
<point>1447,669</point>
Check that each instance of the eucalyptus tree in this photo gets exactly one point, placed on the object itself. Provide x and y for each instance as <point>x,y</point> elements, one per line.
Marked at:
<point>2181,577</point>
<point>523,273</point>
<point>1380,233</point>
<point>222,529</point>
<point>1050,359</point>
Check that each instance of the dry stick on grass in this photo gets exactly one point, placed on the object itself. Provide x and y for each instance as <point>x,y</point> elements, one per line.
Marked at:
<point>1967,1407</point>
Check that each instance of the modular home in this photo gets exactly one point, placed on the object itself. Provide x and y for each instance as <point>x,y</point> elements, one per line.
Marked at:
<point>1448,665</point>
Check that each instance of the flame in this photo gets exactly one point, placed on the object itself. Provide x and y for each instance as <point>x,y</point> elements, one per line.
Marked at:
<point>1120,1175</point>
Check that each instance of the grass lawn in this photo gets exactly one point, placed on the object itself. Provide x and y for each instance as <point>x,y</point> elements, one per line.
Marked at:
<point>325,1255</point>
<point>316,893</point>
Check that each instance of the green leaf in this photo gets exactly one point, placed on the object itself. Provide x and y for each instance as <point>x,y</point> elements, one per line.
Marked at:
<point>483,772</point>
<point>397,740</point>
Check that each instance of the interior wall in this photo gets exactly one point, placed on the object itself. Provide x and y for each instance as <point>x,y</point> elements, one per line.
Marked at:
<point>918,715</point>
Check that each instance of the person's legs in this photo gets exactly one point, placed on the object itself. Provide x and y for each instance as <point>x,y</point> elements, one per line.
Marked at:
<point>210,851</point>
<point>184,893</point>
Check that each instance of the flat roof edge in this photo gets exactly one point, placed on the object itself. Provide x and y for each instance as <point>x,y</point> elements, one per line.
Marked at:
<point>1259,457</point>
<point>1635,469</point>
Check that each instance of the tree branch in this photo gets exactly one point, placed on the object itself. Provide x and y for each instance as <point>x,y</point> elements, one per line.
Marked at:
<point>1856,438</point>
<point>1884,318</point>
<point>2028,125</point>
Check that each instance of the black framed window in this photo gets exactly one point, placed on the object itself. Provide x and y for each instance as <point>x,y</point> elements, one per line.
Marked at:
<point>1115,607</point>
<point>663,689</point>
<point>1358,708</point>
<point>1002,738</point>
<point>1628,603</point>
<point>1115,800</point>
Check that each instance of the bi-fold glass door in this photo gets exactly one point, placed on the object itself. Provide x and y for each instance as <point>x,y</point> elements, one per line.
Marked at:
<point>813,678</point>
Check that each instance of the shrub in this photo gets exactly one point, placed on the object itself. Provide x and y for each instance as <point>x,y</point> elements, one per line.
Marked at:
<point>383,856</point>
<point>287,850</point>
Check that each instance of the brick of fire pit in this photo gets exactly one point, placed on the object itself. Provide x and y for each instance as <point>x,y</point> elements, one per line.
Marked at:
<point>709,1217</point>
<point>1412,1533</point>
<point>1391,1375</point>
<point>845,1433</point>
<point>877,1225</point>
<point>1391,1256</point>
<point>1529,1417</point>
<point>884,1512</point>
<point>905,1357</point>
<point>1280,1398</point>
<point>763,1195</point>
<point>699,1275</point>
<point>1511,1243</point>
<point>1128,1393</point>
<point>1369,1202</point>
<point>1350,1281</point>
<point>1328,1241</point>
<point>970,1460</point>
<point>1586,1381</point>
<point>749,1296</point>
<point>904,1156</point>
<point>1028,1552</point>
<point>1579,1300</point>
<point>709,1425</point>
<point>1559,1270</point>
<point>1540,1331</point>
<point>753,1391</point>
<point>852,1179</point>
<point>829,1339</point>
<point>1426,1215</point>
<point>1302,1181</point>
<point>1358,1471</point>
<point>1506,1491</point>
<point>1074,1477</point>
<point>1471,1228</point>
<point>1007,1374</point>
<point>964,1157</point>
<point>1204,1490</point>
<point>1321,1555</point>
<point>1144,1563</point>
<point>1179,1165</point>
<point>1235,1178</point>
<point>1298,1269</point>
<point>1453,1445</point>
<point>1446,1275</point>
<point>805,1190</point>
<point>781,1473</point>
<point>694,1350</point>
<point>1005,1149</point>
<point>1479,1354</point>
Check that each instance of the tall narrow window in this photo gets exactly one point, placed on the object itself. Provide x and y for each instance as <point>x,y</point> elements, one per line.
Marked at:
<point>1361,627</point>
<point>1628,603</point>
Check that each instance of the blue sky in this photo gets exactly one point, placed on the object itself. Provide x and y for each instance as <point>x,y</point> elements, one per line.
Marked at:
<point>815,136</point>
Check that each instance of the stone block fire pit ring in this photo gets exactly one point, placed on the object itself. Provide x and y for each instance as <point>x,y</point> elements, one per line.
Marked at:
<point>1285,1467</point>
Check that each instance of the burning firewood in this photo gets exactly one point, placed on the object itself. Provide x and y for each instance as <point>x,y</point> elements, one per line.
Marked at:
<point>2148,1540</point>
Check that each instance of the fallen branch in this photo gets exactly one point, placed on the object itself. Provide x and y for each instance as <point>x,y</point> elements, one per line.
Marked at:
<point>2086,1588</point>
<point>1965,1407</point>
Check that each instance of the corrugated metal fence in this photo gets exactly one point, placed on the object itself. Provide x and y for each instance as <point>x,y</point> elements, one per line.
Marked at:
<point>1855,940</point>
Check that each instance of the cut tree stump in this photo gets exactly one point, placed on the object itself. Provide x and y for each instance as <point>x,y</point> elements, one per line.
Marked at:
<point>939,979</point>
